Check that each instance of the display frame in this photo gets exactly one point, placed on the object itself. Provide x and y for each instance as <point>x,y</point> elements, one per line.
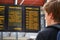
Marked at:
<point>6,19</point>
<point>23,19</point>
<point>38,20</point>
<point>2,7</point>
<point>20,29</point>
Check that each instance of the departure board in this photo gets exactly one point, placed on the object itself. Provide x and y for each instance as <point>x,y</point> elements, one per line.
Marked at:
<point>32,19</point>
<point>2,17</point>
<point>15,18</point>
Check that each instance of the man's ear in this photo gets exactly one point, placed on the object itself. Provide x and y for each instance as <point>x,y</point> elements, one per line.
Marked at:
<point>51,15</point>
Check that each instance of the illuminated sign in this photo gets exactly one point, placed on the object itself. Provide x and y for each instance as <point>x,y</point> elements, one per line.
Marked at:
<point>15,18</point>
<point>32,19</point>
<point>18,18</point>
<point>2,11</point>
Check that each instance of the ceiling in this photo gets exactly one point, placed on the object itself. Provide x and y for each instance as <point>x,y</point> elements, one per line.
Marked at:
<point>24,2</point>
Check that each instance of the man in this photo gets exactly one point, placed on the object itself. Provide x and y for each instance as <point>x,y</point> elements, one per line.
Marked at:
<point>52,17</point>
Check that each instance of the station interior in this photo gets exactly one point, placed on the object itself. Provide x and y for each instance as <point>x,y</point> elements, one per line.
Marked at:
<point>21,19</point>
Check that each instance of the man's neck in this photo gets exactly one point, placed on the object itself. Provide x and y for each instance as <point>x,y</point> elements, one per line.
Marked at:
<point>52,23</point>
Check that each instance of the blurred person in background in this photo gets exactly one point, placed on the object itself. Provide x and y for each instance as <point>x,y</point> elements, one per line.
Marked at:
<point>52,17</point>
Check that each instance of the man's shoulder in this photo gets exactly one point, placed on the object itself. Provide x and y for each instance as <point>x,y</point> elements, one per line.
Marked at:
<point>47,31</point>
<point>47,34</point>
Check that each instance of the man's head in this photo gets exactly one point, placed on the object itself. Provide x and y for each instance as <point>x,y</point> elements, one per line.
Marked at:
<point>52,10</point>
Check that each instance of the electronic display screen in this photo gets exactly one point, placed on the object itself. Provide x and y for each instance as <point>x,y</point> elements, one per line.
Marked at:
<point>15,18</point>
<point>32,19</point>
<point>2,17</point>
<point>18,18</point>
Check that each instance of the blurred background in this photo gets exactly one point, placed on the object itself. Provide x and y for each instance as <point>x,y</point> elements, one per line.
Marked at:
<point>21,19</point>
